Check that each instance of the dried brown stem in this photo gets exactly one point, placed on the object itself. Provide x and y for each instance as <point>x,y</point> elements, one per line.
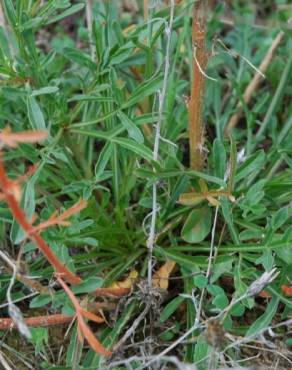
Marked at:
<point>37,321</point>
<point>111,292</point>
<point>254,83</point>
<point>200,58</point>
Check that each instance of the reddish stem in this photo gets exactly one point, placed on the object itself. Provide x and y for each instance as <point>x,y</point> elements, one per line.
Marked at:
<point>37,321</point>
<point>198,86</point>
<point>20,217</point>
<point>111,292</point>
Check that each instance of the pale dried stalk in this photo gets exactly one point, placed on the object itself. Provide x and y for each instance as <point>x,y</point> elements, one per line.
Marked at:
<point>13,310</point>
<point>4,363</point>
<point>162,94</point>
<point>254,83</point>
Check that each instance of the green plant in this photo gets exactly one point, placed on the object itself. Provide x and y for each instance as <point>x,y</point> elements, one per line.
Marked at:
<point>225,222</point>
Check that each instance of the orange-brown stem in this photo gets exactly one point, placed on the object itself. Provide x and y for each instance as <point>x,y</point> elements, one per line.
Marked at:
<point>37,321</point>
<point>111,292</point>
<point>83,329</point>
<point>200,58</point>
<point>20,217</point>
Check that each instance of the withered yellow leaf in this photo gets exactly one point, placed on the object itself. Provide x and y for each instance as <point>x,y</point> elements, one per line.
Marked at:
<point>128,282</point>
<point>161,277</point>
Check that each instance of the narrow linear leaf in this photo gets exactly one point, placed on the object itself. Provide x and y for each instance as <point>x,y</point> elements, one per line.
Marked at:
<point>145,89</point>
<point>133,146</point>
<point>133,131</point>
<point>9,11</point>
<point>35,114</point>
<point>74,9</point>
<point>264,321</point>
<point>253,164</point>
<point>103,159</point>
<point>45,90</point>
<point>170,308</point>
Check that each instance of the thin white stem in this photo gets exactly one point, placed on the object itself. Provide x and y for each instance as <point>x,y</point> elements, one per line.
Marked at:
<point>161,96</point>
<point>200,68</point>
<point>198,313</point>
<point>14,311</point>
<point>20,299</point>
<point>4,363</point>
<point>12,280</point>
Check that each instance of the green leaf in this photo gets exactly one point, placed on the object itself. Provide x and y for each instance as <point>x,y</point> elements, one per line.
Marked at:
<point>17,234</point>
<point>219,157</point>
<point>220,269</point>
<point>133,131</point>
<point>88,97</point>
<point>200,281</point>
<point>220,300</point>
<point>40,301</point>
<point>237,310</point>
<point>74,351</point>
<point>4,46</point>
<point>279,218</point>
<point>145,89</point>
<point>32,23</point>
<point>264,321</point>
<point>250,234</point>
<point>285,254</point>
<point>45,90</point>
<point>197,225</point>
<point>267,259</point>
<point>170,308</point>
<point>40,338</point>
<point>79,57</point>
<point>74,9</point>
<point>35,114</point>
<point>88,285</point>
<point>252,164</point>
<point>133,146</point>
<point>202,350</point>
<point>103,159</point>
<point>10,11</point>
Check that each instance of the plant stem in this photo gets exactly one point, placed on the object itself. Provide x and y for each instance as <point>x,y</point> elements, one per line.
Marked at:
<point>38,321</point>
<point>20,217</point>
<point>198,85</point>
<point>161,98</point>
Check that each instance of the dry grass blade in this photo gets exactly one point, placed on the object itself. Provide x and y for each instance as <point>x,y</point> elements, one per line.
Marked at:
<point>161,277</point>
